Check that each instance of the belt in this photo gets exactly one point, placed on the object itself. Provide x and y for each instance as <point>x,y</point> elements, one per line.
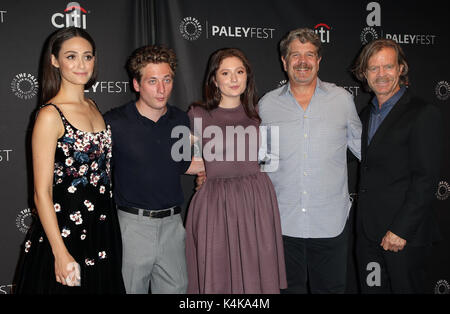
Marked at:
<point>161,213</point>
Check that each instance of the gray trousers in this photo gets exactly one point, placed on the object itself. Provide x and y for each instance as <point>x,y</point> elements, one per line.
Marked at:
<point>153,254</point>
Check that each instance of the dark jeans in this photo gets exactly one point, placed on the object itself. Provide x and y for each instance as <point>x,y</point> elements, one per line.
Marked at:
<point>319,262</point>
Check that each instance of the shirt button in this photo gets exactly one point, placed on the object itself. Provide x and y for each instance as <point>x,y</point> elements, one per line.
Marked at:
<point>304,210</point>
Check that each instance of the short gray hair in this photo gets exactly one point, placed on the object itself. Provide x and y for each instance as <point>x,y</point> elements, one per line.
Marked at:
<point>304,35</point>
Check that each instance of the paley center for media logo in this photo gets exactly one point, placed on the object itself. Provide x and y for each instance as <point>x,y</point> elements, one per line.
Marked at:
<point>442,90</point>
<point>373,21</point>
<point>74,15</point>
<point>191,29</point>
<point>25,86</point>
<point>24,220</point>
<point>443,191</point>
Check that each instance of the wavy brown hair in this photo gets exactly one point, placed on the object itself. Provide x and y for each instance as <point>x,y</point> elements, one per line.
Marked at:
<point>50,75</point>
<point>150,54</point>
<point>373,47</point>
<point>211,92</point>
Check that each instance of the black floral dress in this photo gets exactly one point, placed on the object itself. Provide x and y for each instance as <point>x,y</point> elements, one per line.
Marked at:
<point>82,199</point>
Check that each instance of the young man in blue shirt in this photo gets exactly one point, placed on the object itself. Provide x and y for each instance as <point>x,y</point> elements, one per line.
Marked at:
<point>146,177</point>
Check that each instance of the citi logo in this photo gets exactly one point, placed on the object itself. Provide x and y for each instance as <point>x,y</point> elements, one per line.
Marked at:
<point>323,31</point>
<point>74,15</point>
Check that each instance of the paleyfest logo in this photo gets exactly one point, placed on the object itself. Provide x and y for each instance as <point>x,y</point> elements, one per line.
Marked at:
<point>190,28</point>
<point>24,86</point>
<point>373,20</point>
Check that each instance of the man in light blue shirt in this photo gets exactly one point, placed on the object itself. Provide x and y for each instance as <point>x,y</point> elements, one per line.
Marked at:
<point>317,122</point>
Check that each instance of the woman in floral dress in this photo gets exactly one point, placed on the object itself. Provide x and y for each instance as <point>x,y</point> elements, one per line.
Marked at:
<point>75,245</point>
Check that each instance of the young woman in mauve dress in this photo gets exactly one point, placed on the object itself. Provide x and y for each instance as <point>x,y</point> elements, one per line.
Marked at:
<point>233,232</point>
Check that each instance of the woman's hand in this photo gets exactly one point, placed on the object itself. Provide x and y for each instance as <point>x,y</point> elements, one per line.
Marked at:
<point>67,271</point>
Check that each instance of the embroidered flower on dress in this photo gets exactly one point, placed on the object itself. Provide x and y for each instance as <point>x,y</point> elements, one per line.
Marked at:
<point>69,161</point>
<point>27,246</point>
<point>89,262</point>
<point>102,217</point>
<point>57,207</point>
<point>102,255</point>
<point>65,232</point>
<point>94,179</point>
<point>77,218</point>
<point>102,189</point>
<point>94,165</point>
<point>71,189</point>
<point>83,236</point>
<point>89,205</point>
<point>83,170</point>
<point>41,239</point>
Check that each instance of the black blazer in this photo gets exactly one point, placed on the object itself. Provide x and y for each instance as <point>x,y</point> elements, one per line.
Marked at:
<point>399,172</point>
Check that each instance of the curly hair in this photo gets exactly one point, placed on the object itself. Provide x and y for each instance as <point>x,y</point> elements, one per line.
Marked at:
<point>150,54</point>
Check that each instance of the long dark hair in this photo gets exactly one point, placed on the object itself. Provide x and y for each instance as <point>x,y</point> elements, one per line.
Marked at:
<point>50,76</point>
<point>211,92</point>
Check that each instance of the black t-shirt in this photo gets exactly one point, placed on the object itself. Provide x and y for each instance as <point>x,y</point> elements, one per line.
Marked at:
<point>144,173</point>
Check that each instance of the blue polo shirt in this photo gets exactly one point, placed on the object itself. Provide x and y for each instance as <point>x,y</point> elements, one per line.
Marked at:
<point>144,173</point>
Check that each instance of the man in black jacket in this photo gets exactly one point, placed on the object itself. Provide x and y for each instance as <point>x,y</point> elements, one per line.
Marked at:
<point>401,155</point>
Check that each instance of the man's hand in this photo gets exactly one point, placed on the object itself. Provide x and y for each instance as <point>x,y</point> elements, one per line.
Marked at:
<point>201,178</point>
<point>392,242</point>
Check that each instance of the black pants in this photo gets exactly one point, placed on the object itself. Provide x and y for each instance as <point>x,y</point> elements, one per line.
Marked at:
<point>384,272</point>
<point>319,262</point>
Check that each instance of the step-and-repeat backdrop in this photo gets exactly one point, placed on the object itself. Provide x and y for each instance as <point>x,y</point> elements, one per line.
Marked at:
<point>195,29</point>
